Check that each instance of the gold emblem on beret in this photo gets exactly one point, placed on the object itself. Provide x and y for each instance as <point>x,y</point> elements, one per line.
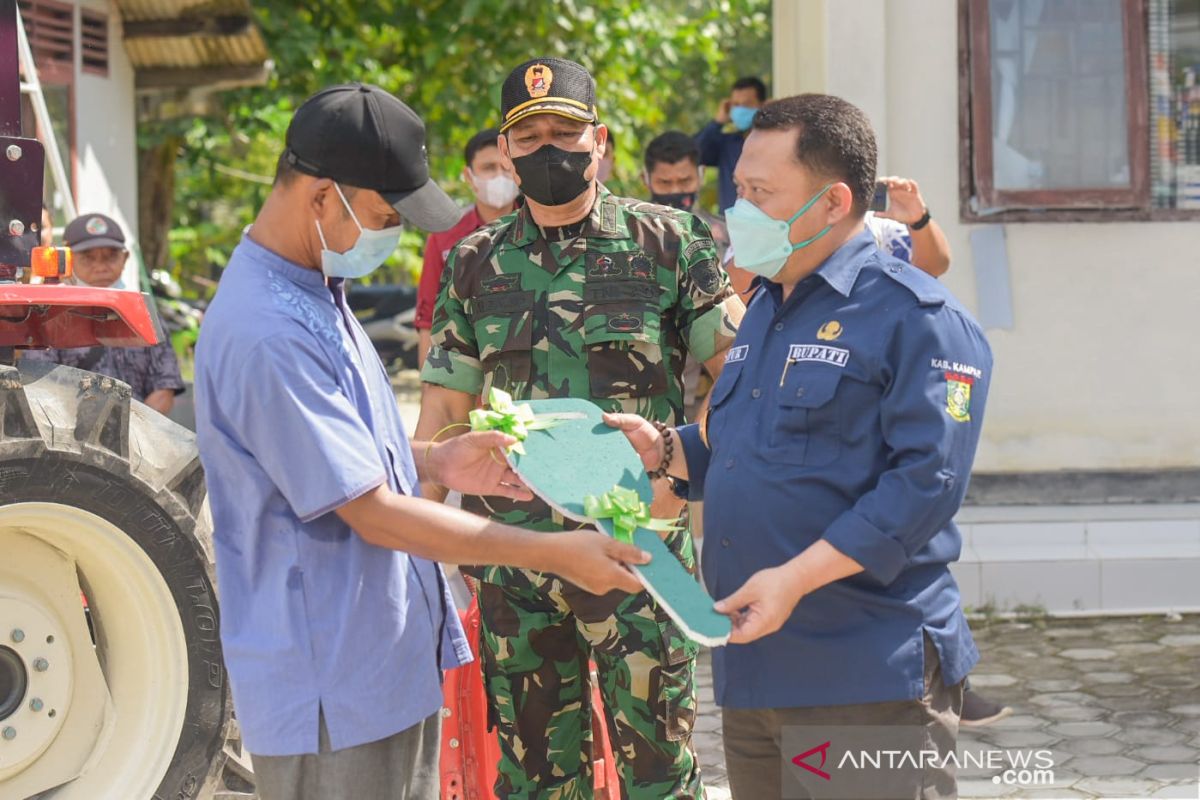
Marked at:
<point>538,79</point>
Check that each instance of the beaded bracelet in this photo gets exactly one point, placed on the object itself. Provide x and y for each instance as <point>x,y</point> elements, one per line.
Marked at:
<point>669,444</point>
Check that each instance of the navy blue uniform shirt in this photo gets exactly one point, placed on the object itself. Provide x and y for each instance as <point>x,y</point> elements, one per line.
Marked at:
<point>721,149</point>
<point>850,412</point>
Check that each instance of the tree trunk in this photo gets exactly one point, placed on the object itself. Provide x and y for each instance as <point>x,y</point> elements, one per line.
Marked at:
<point>156,200</point>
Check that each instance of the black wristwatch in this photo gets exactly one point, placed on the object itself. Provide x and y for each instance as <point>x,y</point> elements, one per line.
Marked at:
<point>922,222</point>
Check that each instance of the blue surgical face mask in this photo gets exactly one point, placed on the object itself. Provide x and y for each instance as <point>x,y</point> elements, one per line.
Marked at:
<point>371,249</point>
<point>762,244</point>
<point>742,117</point>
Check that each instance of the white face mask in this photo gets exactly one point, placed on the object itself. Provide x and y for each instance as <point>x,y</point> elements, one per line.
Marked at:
<point>367,254</point>
<point>495,192</point>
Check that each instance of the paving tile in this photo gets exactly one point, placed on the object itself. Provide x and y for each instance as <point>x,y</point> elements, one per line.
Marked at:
<point>1074,713</point>
<point>991,680</point>
<point>1118,787</point>
<point>708,742</point>
<point>1172,772</point>
<point>1109,677</point>
<point>1069,633</point>
<point>1088,654</point>
<point>1181,640</point>
<point>1158,737</point>
<point>1061,699</point>
<point>1143,719</point>
<point>1138,648</point>
<point>984,788</point>
<point>1118,690</point>
<point>1191,710</point>
<point>1092,747</point>
<point>1092,667</point>
<point>1173,681</point>
<point>1053,685</point>
<point>1107,766</point>
<point>1020,738</point>
<point>1082,729</point>
<point>1177,792</point>
<point>1168,754</point>
<point>1119,704</point>
<point>1018,722</point>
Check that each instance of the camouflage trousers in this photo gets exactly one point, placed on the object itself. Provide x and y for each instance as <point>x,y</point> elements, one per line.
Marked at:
<point>536,644</point>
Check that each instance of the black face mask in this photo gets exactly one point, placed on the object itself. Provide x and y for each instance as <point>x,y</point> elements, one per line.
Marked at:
<point>684,201</point>
<point>553,176</point>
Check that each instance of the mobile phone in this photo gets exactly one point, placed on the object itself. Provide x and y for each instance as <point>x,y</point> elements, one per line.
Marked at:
<point>879,202</point>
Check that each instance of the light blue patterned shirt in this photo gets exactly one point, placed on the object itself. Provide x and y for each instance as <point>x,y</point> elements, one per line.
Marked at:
<point>296,417</point>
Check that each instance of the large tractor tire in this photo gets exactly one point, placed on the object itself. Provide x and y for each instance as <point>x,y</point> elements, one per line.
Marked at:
<point>111,678</point>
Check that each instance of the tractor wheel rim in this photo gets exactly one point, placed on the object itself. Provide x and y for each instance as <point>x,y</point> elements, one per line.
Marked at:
<point>139,644</point>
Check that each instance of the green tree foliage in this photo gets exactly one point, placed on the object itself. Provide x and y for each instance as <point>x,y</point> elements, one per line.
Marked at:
<point>658,64</point>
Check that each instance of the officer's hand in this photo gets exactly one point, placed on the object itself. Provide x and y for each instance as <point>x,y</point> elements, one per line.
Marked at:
<point>644,437</point>
<point>595,562</point>
<point>761,606</point>
<point>474,463</point>
<point>722,115</point>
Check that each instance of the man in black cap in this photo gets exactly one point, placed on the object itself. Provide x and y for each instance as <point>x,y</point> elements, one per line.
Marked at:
<point>578,294</point>
<point>336,620</point>
<point>151,372</point>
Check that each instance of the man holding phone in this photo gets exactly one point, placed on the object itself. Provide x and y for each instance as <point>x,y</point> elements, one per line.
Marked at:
<point>902,226</point>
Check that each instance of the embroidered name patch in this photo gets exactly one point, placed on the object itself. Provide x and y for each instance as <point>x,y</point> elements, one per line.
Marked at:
<point>838,356</point>
<point>738,353</point>
<point>954,366</point>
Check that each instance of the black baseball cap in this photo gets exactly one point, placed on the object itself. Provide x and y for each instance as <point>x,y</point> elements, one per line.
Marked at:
<point>89,231</point>
<point>360,135</point>
<point>547,86</point>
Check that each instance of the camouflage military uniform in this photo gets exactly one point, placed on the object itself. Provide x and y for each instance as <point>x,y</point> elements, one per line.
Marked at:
<point>604,310</point>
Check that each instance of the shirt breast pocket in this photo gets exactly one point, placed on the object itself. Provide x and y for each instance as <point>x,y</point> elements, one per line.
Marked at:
<point>806,430</point>
<point>624,351</point>
<point>714,419</point>
<point>503,324</point>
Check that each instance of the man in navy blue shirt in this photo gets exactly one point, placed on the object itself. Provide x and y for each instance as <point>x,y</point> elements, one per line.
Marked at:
<point>336,620</point>
<point>721,148</point>
<point>833,458</point>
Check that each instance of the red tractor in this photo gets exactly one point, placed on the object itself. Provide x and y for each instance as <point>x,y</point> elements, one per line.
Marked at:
<point>112,683</point>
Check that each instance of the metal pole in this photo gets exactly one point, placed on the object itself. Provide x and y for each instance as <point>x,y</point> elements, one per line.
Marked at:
<point>10,81</point>
<point>42,115</point>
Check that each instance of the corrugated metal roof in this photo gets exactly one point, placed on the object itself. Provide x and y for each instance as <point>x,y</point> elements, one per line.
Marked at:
<point>138,10</point>
<point>192,52</point>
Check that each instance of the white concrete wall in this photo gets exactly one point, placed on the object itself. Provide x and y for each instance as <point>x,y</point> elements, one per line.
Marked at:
<point>1102,366</point>
<point>106,135</point>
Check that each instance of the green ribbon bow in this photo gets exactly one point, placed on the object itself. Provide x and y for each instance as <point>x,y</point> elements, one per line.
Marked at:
<point>627,511</point>
<point>517,420</point>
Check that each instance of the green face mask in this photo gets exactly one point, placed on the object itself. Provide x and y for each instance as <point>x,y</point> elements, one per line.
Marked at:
<point>761,243</point>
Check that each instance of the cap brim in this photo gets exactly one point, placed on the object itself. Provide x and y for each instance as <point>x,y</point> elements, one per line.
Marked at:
<point>549,106</point>
<point>93,244</point>
<point>429,208</point>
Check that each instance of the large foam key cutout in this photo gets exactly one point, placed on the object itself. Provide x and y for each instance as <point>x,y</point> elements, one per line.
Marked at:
<point>579,455</point>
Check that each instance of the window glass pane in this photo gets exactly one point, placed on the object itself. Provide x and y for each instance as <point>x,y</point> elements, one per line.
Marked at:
<point>1058,95</point>
<point>1174,48</point>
